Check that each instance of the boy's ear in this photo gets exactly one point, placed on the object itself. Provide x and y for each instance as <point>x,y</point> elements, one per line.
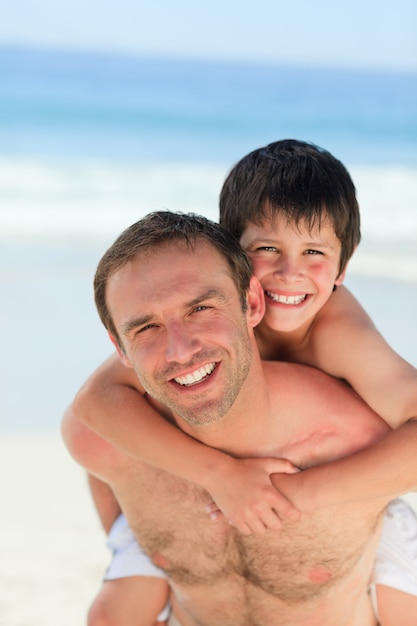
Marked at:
<point>339,280</point>
<point>256,302</point>
<point>122,355</point>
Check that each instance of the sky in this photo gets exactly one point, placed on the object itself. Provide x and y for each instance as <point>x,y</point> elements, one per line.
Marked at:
<point>368,34</point>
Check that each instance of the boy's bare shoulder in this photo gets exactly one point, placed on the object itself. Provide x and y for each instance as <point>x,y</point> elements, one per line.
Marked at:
<point>343,308</point>
<point>341,320</point>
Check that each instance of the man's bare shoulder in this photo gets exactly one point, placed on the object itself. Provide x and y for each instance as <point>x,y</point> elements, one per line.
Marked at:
<point>300,383</point>
<point>313,406</point>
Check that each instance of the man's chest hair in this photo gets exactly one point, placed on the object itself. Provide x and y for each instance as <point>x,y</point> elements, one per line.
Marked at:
<point>283,568</point>
<point>174,529</point>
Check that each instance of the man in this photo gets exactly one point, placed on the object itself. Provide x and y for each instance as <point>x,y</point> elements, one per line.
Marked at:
<point>177,297</point>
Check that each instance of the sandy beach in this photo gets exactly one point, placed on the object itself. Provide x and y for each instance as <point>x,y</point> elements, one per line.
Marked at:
<point>52,552</point>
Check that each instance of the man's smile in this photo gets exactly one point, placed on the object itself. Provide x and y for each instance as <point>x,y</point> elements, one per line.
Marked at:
<point>197,376</point>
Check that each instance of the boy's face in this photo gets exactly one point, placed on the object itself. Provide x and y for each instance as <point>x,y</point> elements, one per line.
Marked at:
<point>296,267</point>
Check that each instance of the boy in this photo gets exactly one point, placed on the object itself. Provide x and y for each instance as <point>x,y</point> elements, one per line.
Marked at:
<point>293,208</point>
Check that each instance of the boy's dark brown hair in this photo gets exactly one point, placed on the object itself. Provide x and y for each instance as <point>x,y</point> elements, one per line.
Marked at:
<point>298,180</point>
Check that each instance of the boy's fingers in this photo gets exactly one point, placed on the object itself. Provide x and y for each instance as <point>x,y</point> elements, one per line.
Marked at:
<point>282,466</point>
<point>287,509</point>
<point>272,520</point>
<point>242,528</point>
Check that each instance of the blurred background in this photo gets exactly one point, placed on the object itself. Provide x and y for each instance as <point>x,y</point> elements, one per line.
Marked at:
<point>111,110</point>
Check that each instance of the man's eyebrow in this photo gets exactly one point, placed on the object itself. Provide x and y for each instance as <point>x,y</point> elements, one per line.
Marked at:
<point>210,294</point>
<point>135,322</point>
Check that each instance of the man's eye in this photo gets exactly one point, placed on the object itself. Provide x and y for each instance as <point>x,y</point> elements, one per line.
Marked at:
<point>144,328</point>
<point>201,307</point>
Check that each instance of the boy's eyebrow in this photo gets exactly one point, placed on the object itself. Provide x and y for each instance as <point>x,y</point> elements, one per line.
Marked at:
<point>136,322</point>
<point>259,238</point>
<point>320,242</point>
<point>277,240</point>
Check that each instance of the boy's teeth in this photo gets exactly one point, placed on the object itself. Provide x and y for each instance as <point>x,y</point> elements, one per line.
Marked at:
<point>286,299</point>
<point>197,376</point>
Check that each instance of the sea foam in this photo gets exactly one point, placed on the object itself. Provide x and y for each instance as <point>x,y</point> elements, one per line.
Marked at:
<point>44,200</point>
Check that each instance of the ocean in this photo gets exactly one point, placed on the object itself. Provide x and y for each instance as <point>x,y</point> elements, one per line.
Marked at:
<point>91,142</point>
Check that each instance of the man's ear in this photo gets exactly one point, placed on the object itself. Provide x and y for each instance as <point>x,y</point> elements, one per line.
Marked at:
<point>122,355</point>
<point>256,302</point>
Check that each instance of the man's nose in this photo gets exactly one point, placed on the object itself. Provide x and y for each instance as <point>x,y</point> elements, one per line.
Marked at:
<point>181,343</point>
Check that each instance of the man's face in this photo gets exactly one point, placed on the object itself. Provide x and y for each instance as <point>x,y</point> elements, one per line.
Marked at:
<point>179,319</point>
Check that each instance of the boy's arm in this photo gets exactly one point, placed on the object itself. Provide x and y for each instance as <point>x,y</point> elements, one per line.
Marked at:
<point>347,345</point>
<point>113,404</point>
<point>385,469</point>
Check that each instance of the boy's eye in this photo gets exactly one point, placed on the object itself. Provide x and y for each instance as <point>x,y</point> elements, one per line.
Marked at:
<point>266,249</point>
<point>313,252</point>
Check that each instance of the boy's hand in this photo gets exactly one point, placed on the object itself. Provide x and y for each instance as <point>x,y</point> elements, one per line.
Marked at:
<point>246,497</point>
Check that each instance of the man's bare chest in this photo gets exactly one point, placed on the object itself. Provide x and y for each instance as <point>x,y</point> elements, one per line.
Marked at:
<point>169,519</point>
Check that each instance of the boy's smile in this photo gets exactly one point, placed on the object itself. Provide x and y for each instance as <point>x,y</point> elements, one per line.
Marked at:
<point>297,268</point>
<point>285,299</point>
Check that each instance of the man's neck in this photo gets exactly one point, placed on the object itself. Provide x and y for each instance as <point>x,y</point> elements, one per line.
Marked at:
<point>236,432</point>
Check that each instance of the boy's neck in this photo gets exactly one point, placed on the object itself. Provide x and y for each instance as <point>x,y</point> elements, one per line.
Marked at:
<point>274,345</point>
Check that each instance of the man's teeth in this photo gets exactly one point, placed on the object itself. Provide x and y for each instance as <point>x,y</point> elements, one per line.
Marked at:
<point>286,299</point>
<point>197,376</point>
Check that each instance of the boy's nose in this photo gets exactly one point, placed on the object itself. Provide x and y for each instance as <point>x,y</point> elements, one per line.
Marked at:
<point>287,268</point>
